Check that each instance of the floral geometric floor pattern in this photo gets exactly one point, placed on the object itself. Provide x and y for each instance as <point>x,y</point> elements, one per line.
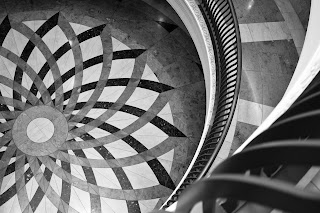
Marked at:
<point>86,124</point>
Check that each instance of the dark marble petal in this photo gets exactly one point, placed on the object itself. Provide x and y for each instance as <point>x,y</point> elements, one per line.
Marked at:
<point>48,25</point>
<point>90,33</point>
<point>154,86</point>
<point>166,127</point>
<point>66,186</point>
<point>4,29</point>
<point>127,54</point>
<point>133,206</point>
<point>161,174</point>
<point>169,27</point>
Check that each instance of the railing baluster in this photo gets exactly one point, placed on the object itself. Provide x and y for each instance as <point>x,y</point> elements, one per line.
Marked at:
<point>223,26</point>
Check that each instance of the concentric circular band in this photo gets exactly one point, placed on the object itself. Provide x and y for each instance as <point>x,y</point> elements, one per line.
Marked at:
<point>23,142</point>
<point>126,107</point>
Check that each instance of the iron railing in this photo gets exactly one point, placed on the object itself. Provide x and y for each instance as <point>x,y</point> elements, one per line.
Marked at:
<point>293,139</point>
<point>223,26</point>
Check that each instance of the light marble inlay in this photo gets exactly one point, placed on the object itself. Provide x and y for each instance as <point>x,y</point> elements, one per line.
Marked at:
<point>87,117</point>
<point>40,130</point>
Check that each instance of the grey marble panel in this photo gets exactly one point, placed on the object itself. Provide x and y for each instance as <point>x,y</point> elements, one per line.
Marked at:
<point>302,8</point>
<point>274,87</point>
<point>257,11</point>
<point>251,88</point>
<point>242,133</point>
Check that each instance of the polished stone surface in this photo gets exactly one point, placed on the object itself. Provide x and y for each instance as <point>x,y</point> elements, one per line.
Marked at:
<point>267,70</point>
<point>272,37</point>
<point>122,85</point>
<point>40,130</point>
<point>302,8</point>
<point>257,11</point>
<point>242,132</point>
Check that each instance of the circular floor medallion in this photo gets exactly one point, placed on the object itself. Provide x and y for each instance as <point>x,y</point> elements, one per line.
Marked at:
<point>93,110</point>
<point>40,130</point>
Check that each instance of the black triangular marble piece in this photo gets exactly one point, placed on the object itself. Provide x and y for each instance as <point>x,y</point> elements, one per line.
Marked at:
<point>48,25</point>
<point>168,27</point>
<point>4,29</point>
<point>52,158</point>
<point>127,54</point>
<point>199,65</point>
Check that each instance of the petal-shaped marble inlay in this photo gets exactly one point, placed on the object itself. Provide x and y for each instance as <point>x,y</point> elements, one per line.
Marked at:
<point>86,124</point>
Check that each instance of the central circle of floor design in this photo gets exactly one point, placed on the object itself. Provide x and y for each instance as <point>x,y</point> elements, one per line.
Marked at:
<point>89,119</point>
<point>40,130</point>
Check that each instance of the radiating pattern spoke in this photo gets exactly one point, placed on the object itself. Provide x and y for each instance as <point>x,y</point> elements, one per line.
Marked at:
<point>86,125</point>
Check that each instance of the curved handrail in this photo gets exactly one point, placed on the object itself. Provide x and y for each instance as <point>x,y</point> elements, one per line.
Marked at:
<point>272,193</point>
<point>231,180</point>
<point>236,178</point>
<point>223,26</point>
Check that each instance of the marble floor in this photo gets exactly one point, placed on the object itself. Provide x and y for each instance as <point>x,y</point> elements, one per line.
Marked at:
<point>101,105</point>
<point>272,35</point>
<point>101,102</point>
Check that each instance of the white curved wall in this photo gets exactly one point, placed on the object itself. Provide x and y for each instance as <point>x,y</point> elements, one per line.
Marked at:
<point>192,18</point>
<point>307,68</point>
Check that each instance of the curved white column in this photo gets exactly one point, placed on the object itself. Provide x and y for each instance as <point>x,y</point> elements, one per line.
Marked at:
<point>307,68</point>
<point>192,18</point>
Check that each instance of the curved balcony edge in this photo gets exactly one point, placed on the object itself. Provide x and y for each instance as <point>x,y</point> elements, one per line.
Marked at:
<point>214,29</point>
<point>290,135</point>
<point>192,18</point>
